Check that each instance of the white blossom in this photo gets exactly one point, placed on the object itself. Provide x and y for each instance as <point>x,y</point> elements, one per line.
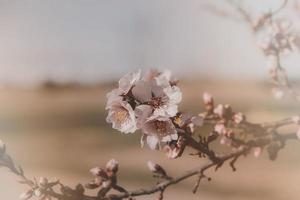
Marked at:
<point>152,141</point>
<point>164,101</point>
<point>127,81</point>
<point>158,130</point>
<point>122,117</point>
<point>162,128</point>
<point>163,78</point>
<point>113,97</point>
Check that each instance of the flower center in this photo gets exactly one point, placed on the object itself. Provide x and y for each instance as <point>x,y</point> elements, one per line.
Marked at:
<point>121,115</point>
<point>156,102</point>
<point>161,127</point>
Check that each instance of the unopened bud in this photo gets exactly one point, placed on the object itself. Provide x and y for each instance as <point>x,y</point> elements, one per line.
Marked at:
<point>238,118</point>
<point>151,166</point>
<point>155,168</point>
<point>207,98</point>
<point>97,171</point>
<point>112,166</point>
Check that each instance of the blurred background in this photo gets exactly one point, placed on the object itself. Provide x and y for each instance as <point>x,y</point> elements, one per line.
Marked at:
<point>58,59</point>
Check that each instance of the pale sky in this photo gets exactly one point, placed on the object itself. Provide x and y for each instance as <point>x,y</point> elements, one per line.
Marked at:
<point>98,40</point>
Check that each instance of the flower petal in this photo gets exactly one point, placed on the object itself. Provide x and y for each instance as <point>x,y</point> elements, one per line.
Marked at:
<point>142,91</point>
<point>164,78</point>
<point>112,98</point>
<point>127,81</point>
<point>153,142</point>
<point>174,94</point>
<point>150,75</point>
<point>142,113</point>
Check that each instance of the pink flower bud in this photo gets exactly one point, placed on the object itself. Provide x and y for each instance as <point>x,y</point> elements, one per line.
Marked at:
<point>151,166</point>
<point>207,98</point>
<point>257,151</point>
<point>112,165</point>
<point>155,168</point>
<point>172,152</point>
<point>238,118</point>
<point>97,171</point>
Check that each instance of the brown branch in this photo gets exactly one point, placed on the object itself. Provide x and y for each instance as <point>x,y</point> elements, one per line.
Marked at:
<point>198,170</point>
<point>272,140</point>
<point>267,17</point>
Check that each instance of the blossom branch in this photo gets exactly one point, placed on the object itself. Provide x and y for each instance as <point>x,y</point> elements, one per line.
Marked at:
<point>163,185</point>
<point>277,42</point>
<point>150,103</point>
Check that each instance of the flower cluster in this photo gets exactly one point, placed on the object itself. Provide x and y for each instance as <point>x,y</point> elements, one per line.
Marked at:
<point>223,117</point>
<point>147,102</point>
<point>104,178</point>
<point>279,38</point>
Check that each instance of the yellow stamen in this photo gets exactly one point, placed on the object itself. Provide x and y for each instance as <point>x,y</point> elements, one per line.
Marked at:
<point>121,115</point>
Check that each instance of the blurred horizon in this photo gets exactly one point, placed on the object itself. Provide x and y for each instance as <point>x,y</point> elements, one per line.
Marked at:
<point>98,41</point>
